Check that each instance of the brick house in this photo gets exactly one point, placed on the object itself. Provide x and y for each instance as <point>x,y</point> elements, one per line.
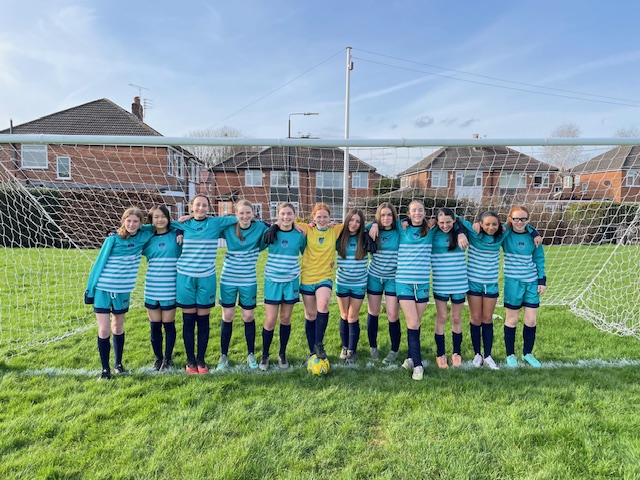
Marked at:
<point>301,175</point>
<point>487,175</point>
<point>613,175</point>
<point>85,188</point>
<point>169,171</point>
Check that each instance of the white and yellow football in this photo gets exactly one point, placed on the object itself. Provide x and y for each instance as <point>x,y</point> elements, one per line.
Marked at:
<point>317,366</point>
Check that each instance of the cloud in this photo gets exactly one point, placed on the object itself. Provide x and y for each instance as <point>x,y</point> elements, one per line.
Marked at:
<point>424,121</point>
<point>467,123</point>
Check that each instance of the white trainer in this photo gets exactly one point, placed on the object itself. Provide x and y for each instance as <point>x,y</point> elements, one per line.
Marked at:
<point>489,362</point>
<point>477,360</point>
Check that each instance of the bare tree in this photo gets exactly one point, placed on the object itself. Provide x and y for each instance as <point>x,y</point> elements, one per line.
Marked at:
<point>214,154</point>
<point>564,157</point>
<point>628,132</point>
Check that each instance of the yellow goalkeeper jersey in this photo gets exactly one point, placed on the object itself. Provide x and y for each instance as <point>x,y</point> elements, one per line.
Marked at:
<point>319,257</point>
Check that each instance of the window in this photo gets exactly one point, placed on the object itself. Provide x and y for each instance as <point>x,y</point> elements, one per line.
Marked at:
<point>175,167</point>
<point>567,181</point>
<point>513,180</point>
<point>633,178</point>
<point>439,179</point>
<point>194,172</point>
<point>468,179</point>
<point>585,186</point>
<point>279,179</point>
<point>541,180</point>
<point>63,168</point>
<point>360,180</point>
<point>404,182</point>
<point>273,209</point>
<point>253,178</point>
<point>257,209</point>
<point>34,156</point>
<point>329,180</point>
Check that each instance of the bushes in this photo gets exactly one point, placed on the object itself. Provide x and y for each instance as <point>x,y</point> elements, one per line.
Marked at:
<point>46,217</point>
<point>25,224</point>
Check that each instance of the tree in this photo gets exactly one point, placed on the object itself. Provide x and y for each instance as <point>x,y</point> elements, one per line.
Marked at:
<point>385,185</point>
<point>628,132</point>
<point>214,154</point>
<point>564,157</point>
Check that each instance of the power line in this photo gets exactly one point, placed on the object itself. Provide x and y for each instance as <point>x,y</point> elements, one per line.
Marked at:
<point>276,89</point>
<point>615,100</point>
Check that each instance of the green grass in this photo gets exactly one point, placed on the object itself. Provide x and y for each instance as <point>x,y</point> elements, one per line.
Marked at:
<point>564,421</point>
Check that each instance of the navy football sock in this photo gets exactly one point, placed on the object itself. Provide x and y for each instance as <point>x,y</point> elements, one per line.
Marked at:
<point>372,330</point>
<point>250,335</point>
<point>189,335</point>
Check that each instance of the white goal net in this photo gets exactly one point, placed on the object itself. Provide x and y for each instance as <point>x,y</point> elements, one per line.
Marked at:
<point>60,197</point>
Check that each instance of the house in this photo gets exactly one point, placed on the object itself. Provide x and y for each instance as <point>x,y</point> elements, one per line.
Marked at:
<point>302,176</point>
<point>170,171</point>
<point>93,184</point>
<point>613,175</point>
<point>489,175</point>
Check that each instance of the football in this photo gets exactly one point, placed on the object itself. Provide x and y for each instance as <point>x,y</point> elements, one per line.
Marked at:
<point>317,366</point>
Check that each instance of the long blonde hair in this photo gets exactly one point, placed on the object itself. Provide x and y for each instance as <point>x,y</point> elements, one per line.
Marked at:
<point>242,203</point>
<point>122,231</point>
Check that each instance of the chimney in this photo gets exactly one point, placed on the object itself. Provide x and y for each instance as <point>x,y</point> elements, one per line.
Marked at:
<point>136,108</point>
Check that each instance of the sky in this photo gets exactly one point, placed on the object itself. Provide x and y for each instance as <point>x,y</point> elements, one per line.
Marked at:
<point>422,69</point>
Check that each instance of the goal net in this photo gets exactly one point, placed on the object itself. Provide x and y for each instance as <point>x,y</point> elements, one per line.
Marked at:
<point>60,198</point>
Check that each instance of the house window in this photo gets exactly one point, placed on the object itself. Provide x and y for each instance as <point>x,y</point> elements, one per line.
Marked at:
<point>468,179</point>
<point>336,211</point>
<point>567,181</point>
<point>273,209</point>
<point>633,178</point>
<point>63,168</point>
<point>175,167</point>
<point>513,180</point>
<point>360,180</point>
<point>34,156</point>
<point>257,210</point>
<point>557,189</point>
<point>253,178</point>
<point>585,185</point>
<point>194,172</point>
<point>439,179</point>
<point>329,180</point>
<point>541,180</point>
<point>404,182</point>
<point>279,179</point>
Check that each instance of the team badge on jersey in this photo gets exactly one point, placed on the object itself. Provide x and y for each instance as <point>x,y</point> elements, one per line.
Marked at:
<point>321,240</point>
<point>416,235</point>
<point>384,240</point>
<point>130,245</point>
<point>162,246</point>
<point>284,243</point>
<point>243,241</point>
<point>520,245</point>
<point>199,229</point>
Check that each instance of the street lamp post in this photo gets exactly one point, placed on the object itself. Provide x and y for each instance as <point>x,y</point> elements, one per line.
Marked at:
<point>288,165</point>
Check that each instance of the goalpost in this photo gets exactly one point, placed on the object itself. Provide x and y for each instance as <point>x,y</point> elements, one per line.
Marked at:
<point>61,195</point>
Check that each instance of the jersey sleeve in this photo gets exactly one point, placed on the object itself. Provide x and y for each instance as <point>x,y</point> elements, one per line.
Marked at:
<point>223,222</point>
<point>98,266</point>
<point>538,259</point>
